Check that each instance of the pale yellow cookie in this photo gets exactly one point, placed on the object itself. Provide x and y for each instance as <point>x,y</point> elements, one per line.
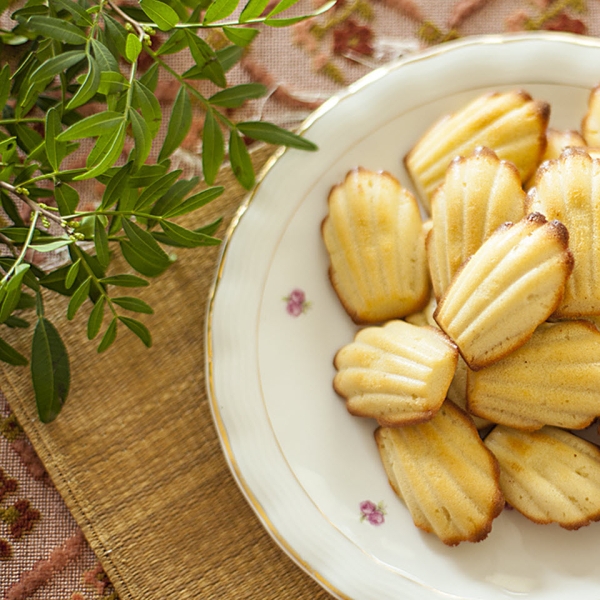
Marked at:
<point>444,474</point>
<point>553,379</point>
<point>376,244</point>
<point>568,189</point>
<point>510,123</point>
<point>396,374</point>
<point>514,282</point>
<point>550,475</point>
<point>479,193</point>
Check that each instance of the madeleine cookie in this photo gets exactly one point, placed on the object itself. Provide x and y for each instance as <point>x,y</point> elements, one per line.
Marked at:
<point>396,374</point>
<point>590,125</point>
<point>550,475</point>
<point>376,244</point>
<point>514,282</point>
<point>478,194</point>
<point>444,474</point>
<point>568,189</point>
<point>553,379</point>
<point>510,123</point>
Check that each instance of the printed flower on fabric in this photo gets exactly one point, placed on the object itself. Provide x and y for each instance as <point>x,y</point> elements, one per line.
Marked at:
<point>296,303</point>
<point>350,36</point>
<point>371,512</point>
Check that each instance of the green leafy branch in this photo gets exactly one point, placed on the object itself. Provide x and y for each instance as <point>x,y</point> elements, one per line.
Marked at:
<point>76,93</point>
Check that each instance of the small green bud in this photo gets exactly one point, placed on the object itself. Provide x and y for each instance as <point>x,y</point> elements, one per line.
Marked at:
<point>79,236</point>
<point>129,27</point>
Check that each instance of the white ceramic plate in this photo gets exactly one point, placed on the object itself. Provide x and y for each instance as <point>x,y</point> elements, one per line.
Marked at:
<point>309,469</point>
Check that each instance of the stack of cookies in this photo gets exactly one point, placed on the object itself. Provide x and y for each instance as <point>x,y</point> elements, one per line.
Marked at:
<point>480,353</point>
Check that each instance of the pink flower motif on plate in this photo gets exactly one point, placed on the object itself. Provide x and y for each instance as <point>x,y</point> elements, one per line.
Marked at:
<point>371,512</point>
<point>296,303</point>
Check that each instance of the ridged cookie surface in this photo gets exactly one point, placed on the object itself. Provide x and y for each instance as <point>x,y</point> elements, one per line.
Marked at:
<point>553,379</point>
<point>550,475</point>
<point>396,374</point>
<point>510,123</point>
<point>568,189</point>
<point>514,282</point>
<point>375,240</point>
<point>444,474</point>
<point>479,193</point>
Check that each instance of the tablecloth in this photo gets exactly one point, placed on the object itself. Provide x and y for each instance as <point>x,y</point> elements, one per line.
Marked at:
<point>176,526</point>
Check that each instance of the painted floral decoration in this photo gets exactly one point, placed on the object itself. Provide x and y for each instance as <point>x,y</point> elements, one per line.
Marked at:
<point>296,303</point>
<point>371,512</point>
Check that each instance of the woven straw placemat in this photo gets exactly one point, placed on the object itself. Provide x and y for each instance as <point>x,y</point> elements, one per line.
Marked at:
<point>136,457</point>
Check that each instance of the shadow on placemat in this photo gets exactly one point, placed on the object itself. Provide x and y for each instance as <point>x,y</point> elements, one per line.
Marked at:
<point>136,457</point>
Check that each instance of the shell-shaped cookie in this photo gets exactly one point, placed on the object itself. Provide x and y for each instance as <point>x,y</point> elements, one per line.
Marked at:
<point>444,474</point>
<point>514,282</point>
<point>425,316</point>
<point>553,379</point>
<point>479,193</point>
<point>397,374</point>
<point>590,125</point>
<point>568,189</point>
<point>510,123</point>
<point>550,475</point>
<point>557,141</point>
<point>374,235</point>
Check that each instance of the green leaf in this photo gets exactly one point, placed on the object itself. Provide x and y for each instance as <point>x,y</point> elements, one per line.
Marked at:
<point>115,34</point>
<point>235,96</point>
<point>207,63</point>
<point>187,237</point>
<point>229,56</point>
<point>112,83</point>
<point>72,273</point>
<point>133,47</point>
<point>139,329</point>
<point>213,148</point>
<point>179,124</point>
<point>125,280</point>
<point>111,155</point>
<point>146,101</point>
<point>9,355</point>
<point>240,36</point>
<point>96,318</point>
<point>141,136</point>
<point>67,199</point>
<point>50,370</point>
<point>78,298</point>
<point>173,197</point>
<point>162,14</point>
<point>55,151</point>
<point>101,242</point>
<point>109,336</point>
<point>133,304</point>
<point>219,9</point>
<point>272,134</point>
<point>88,89</point>
<point>150,78</point>
<point>13,321</point>
<point>56,65</point>
<point>104,57</point>
<point>154,191</point>
<point>176,43</point>
<point>196,201</point>
<point>253,10</point>
<point>28,139</point>
<point>140,260</point>
<point>57,29</point>
<point>51,246</point>
<point>283,22</point>
<point>241,163</point>
<point>80,14</point>
<point>114,188</point>
<point>144,243</point>
<point>12,292</point>
<point>92,126</point>
<point>281,6</point>
<point>4,86</point>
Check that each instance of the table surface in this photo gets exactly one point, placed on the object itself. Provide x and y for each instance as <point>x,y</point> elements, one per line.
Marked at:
<point>70,530</point>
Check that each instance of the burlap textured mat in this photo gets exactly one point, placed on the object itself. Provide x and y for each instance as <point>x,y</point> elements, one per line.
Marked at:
<point>136,457</point>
